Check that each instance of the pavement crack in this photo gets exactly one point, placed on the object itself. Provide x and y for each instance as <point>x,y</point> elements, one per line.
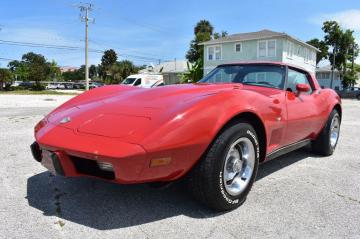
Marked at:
<point>57,201</point>
<point>347,197</point>
<point>337,194</point>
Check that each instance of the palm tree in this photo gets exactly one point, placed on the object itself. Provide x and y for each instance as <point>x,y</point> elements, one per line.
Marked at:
<point>203,26</point>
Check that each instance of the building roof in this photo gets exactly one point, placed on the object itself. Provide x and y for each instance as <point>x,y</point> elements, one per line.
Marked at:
<point>68,68</point>
<point>326,68</point>
<point>263,34</point>
<point>178,66</point>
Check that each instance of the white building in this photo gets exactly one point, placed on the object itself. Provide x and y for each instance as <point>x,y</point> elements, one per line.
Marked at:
<point>324,75</point>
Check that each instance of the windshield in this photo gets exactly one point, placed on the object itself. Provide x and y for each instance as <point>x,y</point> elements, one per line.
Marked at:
<point>129,81</point>
<point>259,75</point>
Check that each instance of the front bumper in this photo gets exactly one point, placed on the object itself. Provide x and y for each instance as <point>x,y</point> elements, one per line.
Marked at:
<point>71,164</point>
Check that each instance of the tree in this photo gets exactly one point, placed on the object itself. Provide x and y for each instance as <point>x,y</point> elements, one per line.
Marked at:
<point>93,72</point>
<point>196,51</point>
<point>54,70</point>
<point>122,69</point>
<point>218,35</point>
<point>203,26</point>
<point>5,76</point>
<point>18,69</point>
<point>203,31</point>
<point>107,60</point>
<point>37,67</point>
<point>321,45</point>
<point>193,74</point>
<point>344,47</point>
<point>77,75</point>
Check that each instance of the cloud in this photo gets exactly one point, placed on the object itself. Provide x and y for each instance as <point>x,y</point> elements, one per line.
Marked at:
<point>347,19</point>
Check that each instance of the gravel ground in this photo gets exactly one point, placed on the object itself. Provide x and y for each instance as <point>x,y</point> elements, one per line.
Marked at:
<point>299,195</point>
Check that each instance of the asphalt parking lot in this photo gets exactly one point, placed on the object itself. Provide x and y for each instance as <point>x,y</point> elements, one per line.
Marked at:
<point>299,195</point>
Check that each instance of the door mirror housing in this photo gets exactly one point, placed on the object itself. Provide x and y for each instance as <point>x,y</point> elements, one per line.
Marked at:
<point>302,88</point>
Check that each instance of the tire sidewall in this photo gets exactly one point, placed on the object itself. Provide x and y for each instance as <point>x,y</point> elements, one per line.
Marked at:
<point>232,134</point>
<point>333,114</point>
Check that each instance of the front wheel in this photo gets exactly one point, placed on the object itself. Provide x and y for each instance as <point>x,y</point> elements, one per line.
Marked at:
<point>224,176</point>
<point>327,140</point>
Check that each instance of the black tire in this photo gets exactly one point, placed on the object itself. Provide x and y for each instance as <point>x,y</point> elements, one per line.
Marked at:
<point>322,145</point>
<point>205,181</point>
<point>358,97</point>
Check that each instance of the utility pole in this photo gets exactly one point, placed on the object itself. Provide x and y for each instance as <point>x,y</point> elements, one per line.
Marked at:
<point>85,8</point>
<point>353,57</point>
<point>333,68</point>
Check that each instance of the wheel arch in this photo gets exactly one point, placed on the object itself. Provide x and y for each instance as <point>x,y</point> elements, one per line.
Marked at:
<point>255,121</point>
<point>338,108</point>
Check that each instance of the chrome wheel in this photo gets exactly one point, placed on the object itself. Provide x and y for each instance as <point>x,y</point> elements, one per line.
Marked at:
<point>239,166</point>
<point>334,130</point>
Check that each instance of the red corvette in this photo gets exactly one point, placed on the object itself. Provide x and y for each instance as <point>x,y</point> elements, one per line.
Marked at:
<point>213,133</point>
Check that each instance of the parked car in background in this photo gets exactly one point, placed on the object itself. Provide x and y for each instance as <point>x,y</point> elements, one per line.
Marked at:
<point>16,83</point>
<point>350,93</point>
<point>69,85</point>
<point>26,84</point>
<point>78,86</point>
<point>214,133</point>
<point>55,86</point>
<point>144,80</point>
<point>93,85</point>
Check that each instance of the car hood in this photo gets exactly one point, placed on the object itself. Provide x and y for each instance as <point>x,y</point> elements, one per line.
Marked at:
<point>132,114</point>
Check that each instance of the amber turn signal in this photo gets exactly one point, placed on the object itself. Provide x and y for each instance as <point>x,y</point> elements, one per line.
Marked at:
<point>160,162</point>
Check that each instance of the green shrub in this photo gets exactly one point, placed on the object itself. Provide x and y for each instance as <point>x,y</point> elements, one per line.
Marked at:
<point>38,87</point>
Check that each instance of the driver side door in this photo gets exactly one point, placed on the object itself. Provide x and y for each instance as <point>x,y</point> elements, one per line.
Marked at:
<point>302,113</point>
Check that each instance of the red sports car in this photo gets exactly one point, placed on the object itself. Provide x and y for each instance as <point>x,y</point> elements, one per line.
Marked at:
<point>213,133</point>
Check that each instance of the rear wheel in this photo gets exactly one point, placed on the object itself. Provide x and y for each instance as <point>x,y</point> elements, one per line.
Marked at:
<point>226,173</point>
<point>327,140</point>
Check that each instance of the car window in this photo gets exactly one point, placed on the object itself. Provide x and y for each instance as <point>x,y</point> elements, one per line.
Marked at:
<point>271,76</point>
<point>296,77</point>
<point>129,81</point>
<point>272,79</point>
<point>137,82</point>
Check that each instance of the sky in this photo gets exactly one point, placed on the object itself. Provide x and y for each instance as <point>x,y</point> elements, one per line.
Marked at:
<point>148,31</point>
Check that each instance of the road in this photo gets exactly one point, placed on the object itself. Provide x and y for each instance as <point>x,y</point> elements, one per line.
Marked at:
<point>299,195</point>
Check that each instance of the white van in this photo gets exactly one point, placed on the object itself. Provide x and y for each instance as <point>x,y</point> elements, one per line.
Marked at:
<point>144,80</point>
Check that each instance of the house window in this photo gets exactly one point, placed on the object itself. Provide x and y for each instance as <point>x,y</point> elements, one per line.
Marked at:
<point>210,53</point>
<point>313,57</point>
<point>217,53</point>
<point>238,47</point>
<point>290,49</point>
<point>262,48</point>
<point>271,48</point>
<point>307,56</point>
<point>267,48</point>
<point>214,53</point>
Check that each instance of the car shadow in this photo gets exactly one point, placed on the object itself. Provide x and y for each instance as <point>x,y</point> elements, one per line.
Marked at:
<point>102,205</point>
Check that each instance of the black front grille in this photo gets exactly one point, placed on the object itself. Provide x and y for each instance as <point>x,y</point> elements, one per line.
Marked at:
<point>90,167</point>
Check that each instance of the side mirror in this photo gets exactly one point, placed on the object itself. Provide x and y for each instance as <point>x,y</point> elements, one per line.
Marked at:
<point>302,88</point>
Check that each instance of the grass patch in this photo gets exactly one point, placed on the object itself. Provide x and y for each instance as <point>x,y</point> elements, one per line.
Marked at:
<point>33,92</point>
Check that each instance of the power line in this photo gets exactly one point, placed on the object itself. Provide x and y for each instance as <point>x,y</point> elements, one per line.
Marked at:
<point>66,47</point>
<point>6,59</point>
<point>41,45</point>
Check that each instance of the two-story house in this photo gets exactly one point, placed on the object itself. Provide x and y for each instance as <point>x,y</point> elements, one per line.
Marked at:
<point>263,45</point>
